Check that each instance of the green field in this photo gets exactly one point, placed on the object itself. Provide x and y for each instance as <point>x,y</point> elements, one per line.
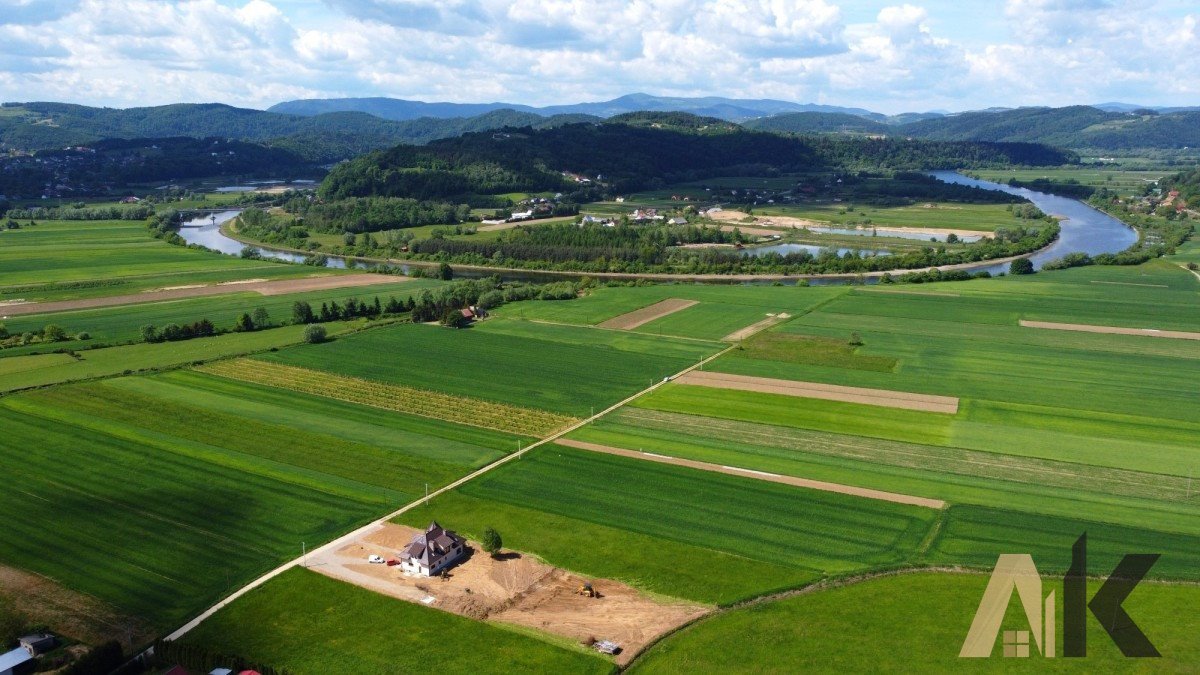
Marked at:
<point>911,623</point>
<point>1123,181</point>
<point>559,368</point>
<point>715,538</point>
<point>306,623</point>
<point>731,307</point>
<point>56,260</point>
<point>23,372</point>
<point>177,489</point>
<point>976,217</point>
<point>122,324</point>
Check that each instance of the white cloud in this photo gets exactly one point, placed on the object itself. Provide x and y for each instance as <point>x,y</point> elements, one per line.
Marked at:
<point>906,56</point>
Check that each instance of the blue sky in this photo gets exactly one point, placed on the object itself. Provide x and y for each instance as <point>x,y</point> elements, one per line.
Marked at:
<point>886,56</point>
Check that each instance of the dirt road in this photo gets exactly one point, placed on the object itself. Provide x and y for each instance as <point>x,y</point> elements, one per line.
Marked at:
<point>1112,330</point>
<point>760,475</point>
<point>829,392</point>
<point>743,333</point>
<point>260,286</point>
<point>515,588</point>
<point>645,315</point>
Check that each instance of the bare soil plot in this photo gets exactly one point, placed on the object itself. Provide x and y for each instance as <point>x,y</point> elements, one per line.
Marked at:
<point>743,333</point>
<point>1112,330</point>
<point>867,493</point>
<point>260,286</point>
<point>74,614</point>
<point>829,392</point>
<point>647,314</point>
<point>790,222</point>
<point>515,588</point>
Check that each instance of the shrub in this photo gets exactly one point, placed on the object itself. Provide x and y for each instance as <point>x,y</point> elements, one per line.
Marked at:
<point>492,542</point>
<point>314,334</point>
<point>1021,266</point>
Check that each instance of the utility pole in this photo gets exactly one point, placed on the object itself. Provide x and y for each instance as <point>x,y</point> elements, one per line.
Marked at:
<point>427,494</point>
<point>303,555</point>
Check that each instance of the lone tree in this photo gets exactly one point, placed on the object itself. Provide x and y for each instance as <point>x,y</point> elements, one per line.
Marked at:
<point>261,318</point>
<point>492,542</point>
<point>445,272</point>
<point>1021,266</point>
<point>855,339</point>
<point>314,334</point>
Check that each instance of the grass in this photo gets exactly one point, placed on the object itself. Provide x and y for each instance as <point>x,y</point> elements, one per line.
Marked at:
<point>424,403</point>
<point>1122,181</point>
<point>707,320</point>
<point>556,368</point>
<point>977,217</point>
<point>23,372</point>
<point>122,324</point>
<point>43,262</point>
<point>179,488</point>
<point>303,622</point>
<point>958,476</point>
<point>808,350</point>
<point>910,623</point>
<point>716,538</point>
<point>601,304</point>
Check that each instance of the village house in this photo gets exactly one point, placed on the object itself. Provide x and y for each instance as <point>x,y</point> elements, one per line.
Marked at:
<point>432,551</point>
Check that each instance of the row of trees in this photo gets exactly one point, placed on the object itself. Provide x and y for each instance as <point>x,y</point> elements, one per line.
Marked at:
<point>50,333</point>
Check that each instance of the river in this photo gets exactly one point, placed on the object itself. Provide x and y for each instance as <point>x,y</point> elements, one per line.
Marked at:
<point>1084,229</point>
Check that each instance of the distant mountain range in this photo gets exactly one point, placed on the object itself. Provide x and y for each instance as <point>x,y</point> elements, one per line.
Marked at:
<point>733,110</point>
<point>325,131</point>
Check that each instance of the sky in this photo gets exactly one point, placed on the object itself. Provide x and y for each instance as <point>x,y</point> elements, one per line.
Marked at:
<point>949,55</point>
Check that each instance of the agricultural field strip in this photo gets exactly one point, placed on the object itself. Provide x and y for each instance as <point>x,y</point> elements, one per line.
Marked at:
<point>350,537</point>
<point>828,392</point>
<point>420,402</point>
<point>647,314</point>
<point>821,485</point>
<point>548,322</point>
<point>1112,330</point>
<point>973,463</point>
<point>262,287</point>
<point>748,331</point>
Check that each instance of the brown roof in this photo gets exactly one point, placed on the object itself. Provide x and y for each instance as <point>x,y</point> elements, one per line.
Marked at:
<point>429,547</point>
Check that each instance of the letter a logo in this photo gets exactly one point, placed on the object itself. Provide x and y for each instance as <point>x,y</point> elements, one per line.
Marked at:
<point>1013,571</point>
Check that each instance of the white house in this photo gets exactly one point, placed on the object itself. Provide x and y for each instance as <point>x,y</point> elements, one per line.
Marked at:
<point>432,551</point>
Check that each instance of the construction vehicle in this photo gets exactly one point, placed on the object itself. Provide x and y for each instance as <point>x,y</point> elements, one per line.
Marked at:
<point>587,590</point>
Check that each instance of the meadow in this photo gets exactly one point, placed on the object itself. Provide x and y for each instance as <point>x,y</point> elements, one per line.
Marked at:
<point>23,372</point>
<point>58,260</point>
<point>1123,181</point>
<point>677,531</point>
<point>122,324</point>
<point>1058,488</point>
<point>177,490</point>
<point>736,306</point>
<point>562,369</point>
<point>910,623</point>
<point>975,217</point>
<point>306,623</point>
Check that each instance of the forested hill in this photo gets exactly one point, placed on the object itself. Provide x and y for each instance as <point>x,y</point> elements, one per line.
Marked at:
<point>322,138</point>
<point>1071,127</point>
<point>818,123</point>
<point>628,157</point>
<point>1188,185</point>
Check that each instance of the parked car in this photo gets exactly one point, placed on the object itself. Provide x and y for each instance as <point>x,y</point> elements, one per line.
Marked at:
<point>375,559</point>
<point>393,562</point>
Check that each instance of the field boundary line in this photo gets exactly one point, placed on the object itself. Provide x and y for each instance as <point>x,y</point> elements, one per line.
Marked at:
<point>374,524</point>
<point>592,326</point>
<point>823,486</point>
<point>1111,330</point>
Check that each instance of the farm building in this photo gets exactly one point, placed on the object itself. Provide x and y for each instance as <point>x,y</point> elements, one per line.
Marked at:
<point>17,662</point>
<point>432,551</point>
